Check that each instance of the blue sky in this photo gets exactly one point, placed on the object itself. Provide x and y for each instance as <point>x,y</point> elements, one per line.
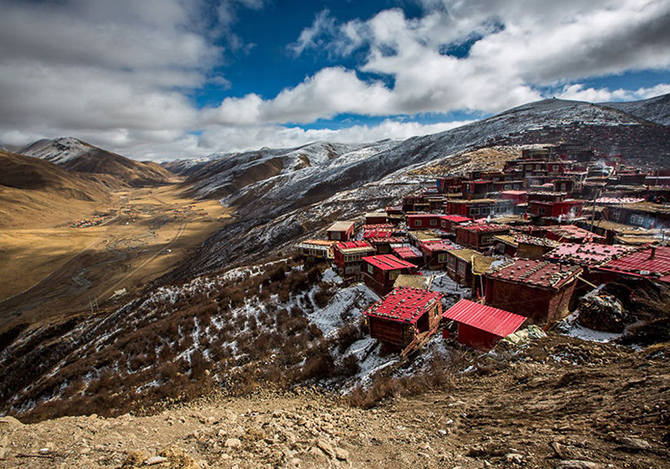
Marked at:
<point>166,79</point>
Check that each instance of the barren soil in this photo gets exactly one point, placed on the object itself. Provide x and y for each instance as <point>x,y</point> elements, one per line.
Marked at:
<point>67,269</point>
<point>562,403</point>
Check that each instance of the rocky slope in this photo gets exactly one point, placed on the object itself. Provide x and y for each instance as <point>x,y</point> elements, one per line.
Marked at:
<point>655,109</point>
<point>559,403</point>
<point>76,155</point>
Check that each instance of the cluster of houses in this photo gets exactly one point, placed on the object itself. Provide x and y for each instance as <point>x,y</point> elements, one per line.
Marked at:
<point>527,241</point>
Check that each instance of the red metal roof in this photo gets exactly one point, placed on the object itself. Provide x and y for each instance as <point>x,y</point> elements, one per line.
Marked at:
<point>652,263</point>
<point>404,304</point>
<point>388,262</point>
<point>483,227</point>
<point>407,252</point>
<point>352,245</point>
<point>455,218</point>
<point>377,234</point>
<point>437,245</point>
<point>535,272</point>
<point>587,254</point>
<point>486,318</point>
<point>423,216</point>
<point>378,226</point>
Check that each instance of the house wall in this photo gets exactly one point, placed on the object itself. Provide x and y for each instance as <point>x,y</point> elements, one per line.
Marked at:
<point>539,304</point>
<point>476,338</point>
<point>530,251</point>
<point>386,331</point>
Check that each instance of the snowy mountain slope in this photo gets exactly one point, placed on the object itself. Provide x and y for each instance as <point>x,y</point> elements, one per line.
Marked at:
<point>76,155</point>
<point>655,109</point>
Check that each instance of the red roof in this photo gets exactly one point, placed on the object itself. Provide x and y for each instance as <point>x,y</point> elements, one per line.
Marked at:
<point>455,218</point>
<point>378,226</point>
<point>377,234</point>
<point>587,254</point>
<point>423,216</point>
<point>535,272</point>
<point>407,252</point>
<point>352,245</point>
<point>571,232</point>
<point>652,263</point>
<point>388,262</point>
<point>486,318</point>
<point>436,245</point>
<point>514,192</point>
<point>404,304</point>
<point>483,227</point>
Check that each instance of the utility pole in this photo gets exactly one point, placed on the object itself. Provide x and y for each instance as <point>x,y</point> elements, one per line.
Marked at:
<point>593,212</point>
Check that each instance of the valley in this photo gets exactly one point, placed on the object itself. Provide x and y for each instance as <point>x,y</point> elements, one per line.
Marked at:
<point>80,264</point>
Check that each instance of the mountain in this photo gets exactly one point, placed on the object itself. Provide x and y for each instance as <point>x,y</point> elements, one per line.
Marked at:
<point>32,189</point>
<point>76,155</point>
<point>274,190</point>
<point>655,109</point>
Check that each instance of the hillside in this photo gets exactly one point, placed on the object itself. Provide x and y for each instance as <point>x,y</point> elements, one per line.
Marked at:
<point>656,109</point>
<point>556,404</point>
<point>281,195</point>
<point>78,156</point>
<point>34,191</point>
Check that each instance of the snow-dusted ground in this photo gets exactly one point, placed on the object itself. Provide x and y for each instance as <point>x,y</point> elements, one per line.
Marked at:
<point>570,327</point>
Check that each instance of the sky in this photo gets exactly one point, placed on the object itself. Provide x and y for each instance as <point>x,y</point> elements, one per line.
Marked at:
<point>171,79</point>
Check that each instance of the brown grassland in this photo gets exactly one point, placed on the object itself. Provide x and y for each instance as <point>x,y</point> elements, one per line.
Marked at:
<point>47,265</point>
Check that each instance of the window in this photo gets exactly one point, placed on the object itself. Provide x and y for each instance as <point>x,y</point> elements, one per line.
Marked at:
<point>443,223</point>
<point>485,210</point>
<point>442,258</point>
<point>452,262</point>
<point>433,223</point>
<point>542,210</point>
<point>394,274</point>
<point>474,211</point>
<point>461,268</point>
<point>334,235</point>
<point>351,269</point>
<point>417,222</point>
<point>636,219</point>
<point>371,269</point>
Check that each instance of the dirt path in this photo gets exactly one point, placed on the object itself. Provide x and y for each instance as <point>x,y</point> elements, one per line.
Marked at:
<point>535,412</point>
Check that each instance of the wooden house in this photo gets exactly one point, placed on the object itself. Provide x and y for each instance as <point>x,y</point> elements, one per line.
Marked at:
<point>449,223</point>
<point>571,234</point>
<point>479,326</point>
<point>516,196</point>
<point>435,253</point>
<point>409,254</point>
<point>341,231</point>
<point>479,236</point>
<point>478,189</point>
<point>316,250</point>
<point>644,214</point>
<point>380,272</point>
<point>423,221</point>
<point>449,185</point>
<point>532,247</point>
<point>652,263</point>
<point>461,266</point>
<point>405,318</point>
<point>348,256</point>
<point>376,218</point>
<point>479,207</point>
<point>395,215</point>
<point>537,289</point>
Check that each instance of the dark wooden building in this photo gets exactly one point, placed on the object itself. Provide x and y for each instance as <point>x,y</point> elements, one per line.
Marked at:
<point>537,289</point>
<point>348,256</point>
<point>479,236</point>
<point>341,231</point>
<point>405,318</point>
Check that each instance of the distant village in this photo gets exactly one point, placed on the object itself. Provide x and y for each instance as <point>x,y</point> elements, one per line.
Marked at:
<point>527,242</point>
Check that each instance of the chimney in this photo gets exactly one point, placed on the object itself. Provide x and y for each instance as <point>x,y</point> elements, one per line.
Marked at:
<point>653,253</point>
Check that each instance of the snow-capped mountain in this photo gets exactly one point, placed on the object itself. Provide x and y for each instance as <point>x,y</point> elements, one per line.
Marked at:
<point>283,194</point>
<point>656,109</point>
<point>76,155</point>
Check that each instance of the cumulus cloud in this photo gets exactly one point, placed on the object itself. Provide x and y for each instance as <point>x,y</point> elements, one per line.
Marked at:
<point>121,73</point>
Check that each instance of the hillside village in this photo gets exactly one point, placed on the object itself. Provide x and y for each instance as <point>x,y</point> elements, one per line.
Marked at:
<point>528,245</point>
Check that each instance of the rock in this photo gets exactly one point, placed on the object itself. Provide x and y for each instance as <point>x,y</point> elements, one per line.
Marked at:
<point>326,448</point>
<point>563,451</point>
<point>341,454</point>
<point>44,451</point>
<point>514,458</point>
<point>155,460</point>
<point>9,420</point>
<point>577,464</point>
<point>134,458</point>
<point>233,443</point>
<point>634,444</point>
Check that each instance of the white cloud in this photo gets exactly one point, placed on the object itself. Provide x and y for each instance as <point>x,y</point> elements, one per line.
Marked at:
<point>120,73</point>
<point>577,92</point>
